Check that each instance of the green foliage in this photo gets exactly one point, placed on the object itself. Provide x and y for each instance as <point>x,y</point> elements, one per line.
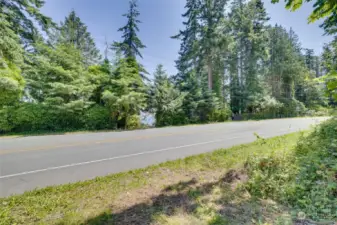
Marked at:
<point>133,122</point>
<point>229,61</point>
<point>331,83</point>
<point>6,123</point>
<point>265,108</point>
<point>98,118</point>
<point>32,117</point>
<point>311,93</point>
<point>220,115</point>
<point>125,95</point>
<point>304,178</point>
<point>57,77</point>
<point>24,16</point>
<point>166,100</point>
<point>11,58</point>
<point>329,56</point>
<point>131,44</point>
<point>322,9</point>
<point>292,108</point>
<point>74,32</point>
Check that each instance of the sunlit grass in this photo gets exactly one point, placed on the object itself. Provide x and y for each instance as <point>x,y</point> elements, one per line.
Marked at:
<point>82,201</point>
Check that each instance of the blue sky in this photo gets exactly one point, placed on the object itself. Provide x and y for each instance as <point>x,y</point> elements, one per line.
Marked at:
<point>162,19</point>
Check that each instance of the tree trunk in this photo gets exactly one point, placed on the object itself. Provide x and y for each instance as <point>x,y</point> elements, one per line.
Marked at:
<point>210,76</point>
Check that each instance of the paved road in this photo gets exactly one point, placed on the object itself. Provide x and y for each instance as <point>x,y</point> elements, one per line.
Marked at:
<point>39,161</point>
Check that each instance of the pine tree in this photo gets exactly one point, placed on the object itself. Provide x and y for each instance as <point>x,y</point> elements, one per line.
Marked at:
<point>57,77</point>
<point>23,17</point>
<point>247,21</point>
<point>287,69</point>
<point>212,13</point>
<point>255,52</point>
<point>131,44</point>
<point>322,9</point>
<point>329,56</point>
<point>317,66</point>
<point>236,58</point>
<point>188,53</point>
<point>309,59</point>
<point>125,95</point>
<point>166,100</point>
<point>11,60</point>
<point>74,32</point>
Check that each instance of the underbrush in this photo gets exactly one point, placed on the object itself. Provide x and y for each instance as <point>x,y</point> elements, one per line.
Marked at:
<point>304,178</point>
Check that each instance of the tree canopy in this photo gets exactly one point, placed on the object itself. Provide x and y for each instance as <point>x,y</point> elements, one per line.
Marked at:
<point>231,64</point>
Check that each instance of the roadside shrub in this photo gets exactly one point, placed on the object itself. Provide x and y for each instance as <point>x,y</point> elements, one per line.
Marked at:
<point>219,115</point>
<point>170,118</point>
<point>31,117</point>
<point>305,178</point>
<point>133,122</point>
<point>6,123</point>
<point>98,118</point>
<point>292,108</point>
<point>270,175</point>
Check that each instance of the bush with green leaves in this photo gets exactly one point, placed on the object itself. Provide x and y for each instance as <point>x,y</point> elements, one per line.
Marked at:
<point>220,115</point>
<point>6,123</point>
<point>304,178</point>
<point>133,122</point>
<point>98,118</point>
<point>292,108</point>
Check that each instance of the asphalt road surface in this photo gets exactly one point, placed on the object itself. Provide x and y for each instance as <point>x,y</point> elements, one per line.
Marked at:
<point>33,162</point>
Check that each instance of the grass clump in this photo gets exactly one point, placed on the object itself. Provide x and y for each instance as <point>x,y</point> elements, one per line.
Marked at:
<point>304,178</point>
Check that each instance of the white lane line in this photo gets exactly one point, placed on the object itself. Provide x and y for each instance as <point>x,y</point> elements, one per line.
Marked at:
<point>112,158</point>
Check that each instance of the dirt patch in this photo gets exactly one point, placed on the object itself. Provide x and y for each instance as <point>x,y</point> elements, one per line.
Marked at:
<point>174,193</point>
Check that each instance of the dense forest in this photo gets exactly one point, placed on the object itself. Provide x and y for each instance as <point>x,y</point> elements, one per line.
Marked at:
<point>231,63</point>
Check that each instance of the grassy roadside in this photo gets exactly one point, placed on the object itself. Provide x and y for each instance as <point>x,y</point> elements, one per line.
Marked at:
<point>158,194</point>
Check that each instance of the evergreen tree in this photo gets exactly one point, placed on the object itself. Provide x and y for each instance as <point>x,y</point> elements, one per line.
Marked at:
<point>74,32</point>
<point>99,76</point>
<point>212,12</point>
<point>188,53</point>
<point>322,9</point>
<point>57,77</point>
<point>309,59</point>
<point>329,63</point>
<point>236,56</point>
<point>166,100</point>
<point>125,95</point>
<point>23,17</point>
<point>11,59</point>
<point>317,66</point>
<point>248,53</point>
<point>329,56</point>
<point>287,69</point>
<point>131,44</point>
<point>255,53</point>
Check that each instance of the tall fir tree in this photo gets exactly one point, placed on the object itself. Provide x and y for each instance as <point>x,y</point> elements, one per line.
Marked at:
<point>166,100</point>
<point>57,77</point>
<point>11,60</point>
<point>24,16</point>
<point>309,59</point>
<point>125,94</point>
<point>212,13</point>
<point>131,45</point>
<point>188,53</point>
<point>255,53</point>
<point>74,32</point>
